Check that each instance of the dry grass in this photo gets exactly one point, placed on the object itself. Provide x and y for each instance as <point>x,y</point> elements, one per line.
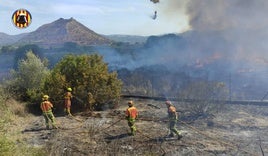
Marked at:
<point>12,114</point>
<point>16,108</point>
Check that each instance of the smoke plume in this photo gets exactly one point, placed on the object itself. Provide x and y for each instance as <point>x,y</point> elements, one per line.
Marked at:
<point>236,28</point>
<point>227,37</point>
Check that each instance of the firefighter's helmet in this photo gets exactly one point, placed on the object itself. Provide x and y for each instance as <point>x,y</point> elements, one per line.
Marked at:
<point>168,103</point>
<point>45,97</point>
<point>69,89</point>
<point>130,103</point>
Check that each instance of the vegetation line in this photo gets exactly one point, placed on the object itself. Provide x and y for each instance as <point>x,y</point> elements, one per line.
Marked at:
<point>237,102</point>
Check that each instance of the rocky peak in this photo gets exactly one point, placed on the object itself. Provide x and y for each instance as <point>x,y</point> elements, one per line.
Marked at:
<point>62,31</point>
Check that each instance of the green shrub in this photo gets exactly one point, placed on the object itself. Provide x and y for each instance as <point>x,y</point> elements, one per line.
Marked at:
<point>93,85</point>
<point>6,146</point>
<point>28,80</point>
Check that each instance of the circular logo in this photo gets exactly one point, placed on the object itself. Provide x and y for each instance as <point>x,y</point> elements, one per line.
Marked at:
<point>21,18</point>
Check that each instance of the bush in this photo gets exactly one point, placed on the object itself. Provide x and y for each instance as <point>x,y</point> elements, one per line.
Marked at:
<point>206,98</point>
<point>6,146</point>
<point>93,86</point>
<point>21,53</point>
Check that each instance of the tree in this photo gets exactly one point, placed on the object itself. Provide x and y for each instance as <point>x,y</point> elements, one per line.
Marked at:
<point>21,52</point>
<point>29,79</point>
<point>93,86</point>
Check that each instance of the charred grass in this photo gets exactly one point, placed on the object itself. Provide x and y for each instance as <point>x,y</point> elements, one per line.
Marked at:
<point>235,130</point>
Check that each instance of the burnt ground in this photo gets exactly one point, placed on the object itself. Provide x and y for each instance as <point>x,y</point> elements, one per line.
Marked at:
<point>238,130</point>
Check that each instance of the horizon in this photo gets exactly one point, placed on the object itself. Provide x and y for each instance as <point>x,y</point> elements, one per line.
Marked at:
<point>88,28</point>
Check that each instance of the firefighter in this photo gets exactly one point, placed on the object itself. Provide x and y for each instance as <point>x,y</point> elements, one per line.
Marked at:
<point>46,107</point>
<point>131,116</point>
<point>173,119</point>
<point>67,100</point>
<point>90,100</point>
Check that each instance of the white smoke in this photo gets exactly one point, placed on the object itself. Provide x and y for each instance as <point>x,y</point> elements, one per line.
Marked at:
<point>241,24</point>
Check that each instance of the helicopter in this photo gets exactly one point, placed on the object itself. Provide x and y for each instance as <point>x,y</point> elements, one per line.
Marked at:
<point>155,15</point>
<point>155,1</point>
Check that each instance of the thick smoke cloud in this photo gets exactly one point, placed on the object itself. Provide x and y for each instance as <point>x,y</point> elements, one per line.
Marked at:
<point>227,38</point>
<point>242,23</point>
<point>236,28</point>
<point>207,15</point>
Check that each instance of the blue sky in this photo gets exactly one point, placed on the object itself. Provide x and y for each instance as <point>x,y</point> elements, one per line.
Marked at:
<point>130,17</point>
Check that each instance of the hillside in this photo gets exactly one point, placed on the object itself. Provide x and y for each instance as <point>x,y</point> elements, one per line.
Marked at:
<point>132,39</point>
<point>62,31</point>
<point>6,39</point>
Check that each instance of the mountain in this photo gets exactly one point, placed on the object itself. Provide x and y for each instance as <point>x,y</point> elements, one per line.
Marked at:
<point>62,31</point>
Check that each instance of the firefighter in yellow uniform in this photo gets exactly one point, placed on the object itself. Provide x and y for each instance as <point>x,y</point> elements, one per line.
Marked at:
<point>131,116</point>
<point>173,119</point>
<point>67,101</point>
<point>46,107</point>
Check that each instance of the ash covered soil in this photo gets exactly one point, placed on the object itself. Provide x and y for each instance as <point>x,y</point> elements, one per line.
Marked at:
<point>235,130</point>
